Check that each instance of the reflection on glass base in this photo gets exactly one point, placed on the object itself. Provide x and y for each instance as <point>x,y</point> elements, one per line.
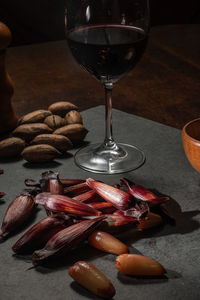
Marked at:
<point>117,159</point>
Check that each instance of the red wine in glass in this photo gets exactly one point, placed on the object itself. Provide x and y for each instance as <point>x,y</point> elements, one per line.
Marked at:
<point>107,51</point>
<point>107,38</point>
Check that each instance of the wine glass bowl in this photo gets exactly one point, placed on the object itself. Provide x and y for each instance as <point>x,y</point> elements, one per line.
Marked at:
<point>107,38</point>
<point>191,142</point>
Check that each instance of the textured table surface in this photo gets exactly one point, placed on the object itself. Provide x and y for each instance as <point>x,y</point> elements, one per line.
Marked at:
<point>176,247</point>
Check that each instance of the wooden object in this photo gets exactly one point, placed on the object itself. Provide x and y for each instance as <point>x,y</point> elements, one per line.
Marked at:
<point>191,142</point>
<point>8,118</point>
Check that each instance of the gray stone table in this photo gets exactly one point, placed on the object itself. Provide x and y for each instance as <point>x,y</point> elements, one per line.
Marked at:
<point>175,247</point>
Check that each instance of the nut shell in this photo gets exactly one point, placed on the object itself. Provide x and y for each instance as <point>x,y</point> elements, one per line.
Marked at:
<point>73,117</point>
<point>60,142</point>
<point>28,131</point>
<point>36,116</point>
<point>40,153</point>
<point>62,107</point>
<point>54,121</point>
<point>11,147</point>
<point>75,132</point>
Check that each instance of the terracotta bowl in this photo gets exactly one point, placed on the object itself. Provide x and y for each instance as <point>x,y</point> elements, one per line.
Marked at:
<point>191,142</point>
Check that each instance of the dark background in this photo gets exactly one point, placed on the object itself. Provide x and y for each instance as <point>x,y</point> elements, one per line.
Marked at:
<point>43,20</point>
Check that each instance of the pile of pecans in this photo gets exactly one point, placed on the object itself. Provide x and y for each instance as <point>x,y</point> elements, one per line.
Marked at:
<point>79,210</point>
<point>42,135</point>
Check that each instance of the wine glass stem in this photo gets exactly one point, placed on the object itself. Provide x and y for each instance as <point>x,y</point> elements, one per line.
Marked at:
<point>109,141</point>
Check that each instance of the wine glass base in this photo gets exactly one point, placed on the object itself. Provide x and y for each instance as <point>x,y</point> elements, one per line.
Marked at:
<point>118,159</point>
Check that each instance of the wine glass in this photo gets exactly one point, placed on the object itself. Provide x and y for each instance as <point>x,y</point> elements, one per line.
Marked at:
<point>107,38</point>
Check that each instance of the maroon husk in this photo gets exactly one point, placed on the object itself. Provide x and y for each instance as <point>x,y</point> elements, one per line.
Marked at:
<point>116,223</point>
<point>142,193</point>
<point>60,203</point>
<point>38,235</point>
<point>66,239</point>
<point>118,198</point>
<point>138,210</point>
<point>69,181</point>
<point>104,207</point>
<point>88,197</point>
<point>17,213</point>
<point>32,183</point>
<point>77,189</point>
<point>50,182</point>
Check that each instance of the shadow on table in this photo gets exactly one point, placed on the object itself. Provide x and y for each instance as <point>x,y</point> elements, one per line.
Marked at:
<point>125,279</point>
<point>45,165</point>
<point>178,222</point>
<point>83,252</point>
<point>83,292</point>
<point>28,165</point>
<point>11,160</point>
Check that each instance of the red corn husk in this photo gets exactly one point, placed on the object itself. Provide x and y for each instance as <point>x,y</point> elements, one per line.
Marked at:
<point>142,193</point>
<point>77,189</point>
<point>68,181</point>
<point>117,197</point>
<point>60,203</point>
<point>88,197</point>
<point>66,239</point>
<point>104,207</point>
<point>18,212</point>
<point>39,234</point>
